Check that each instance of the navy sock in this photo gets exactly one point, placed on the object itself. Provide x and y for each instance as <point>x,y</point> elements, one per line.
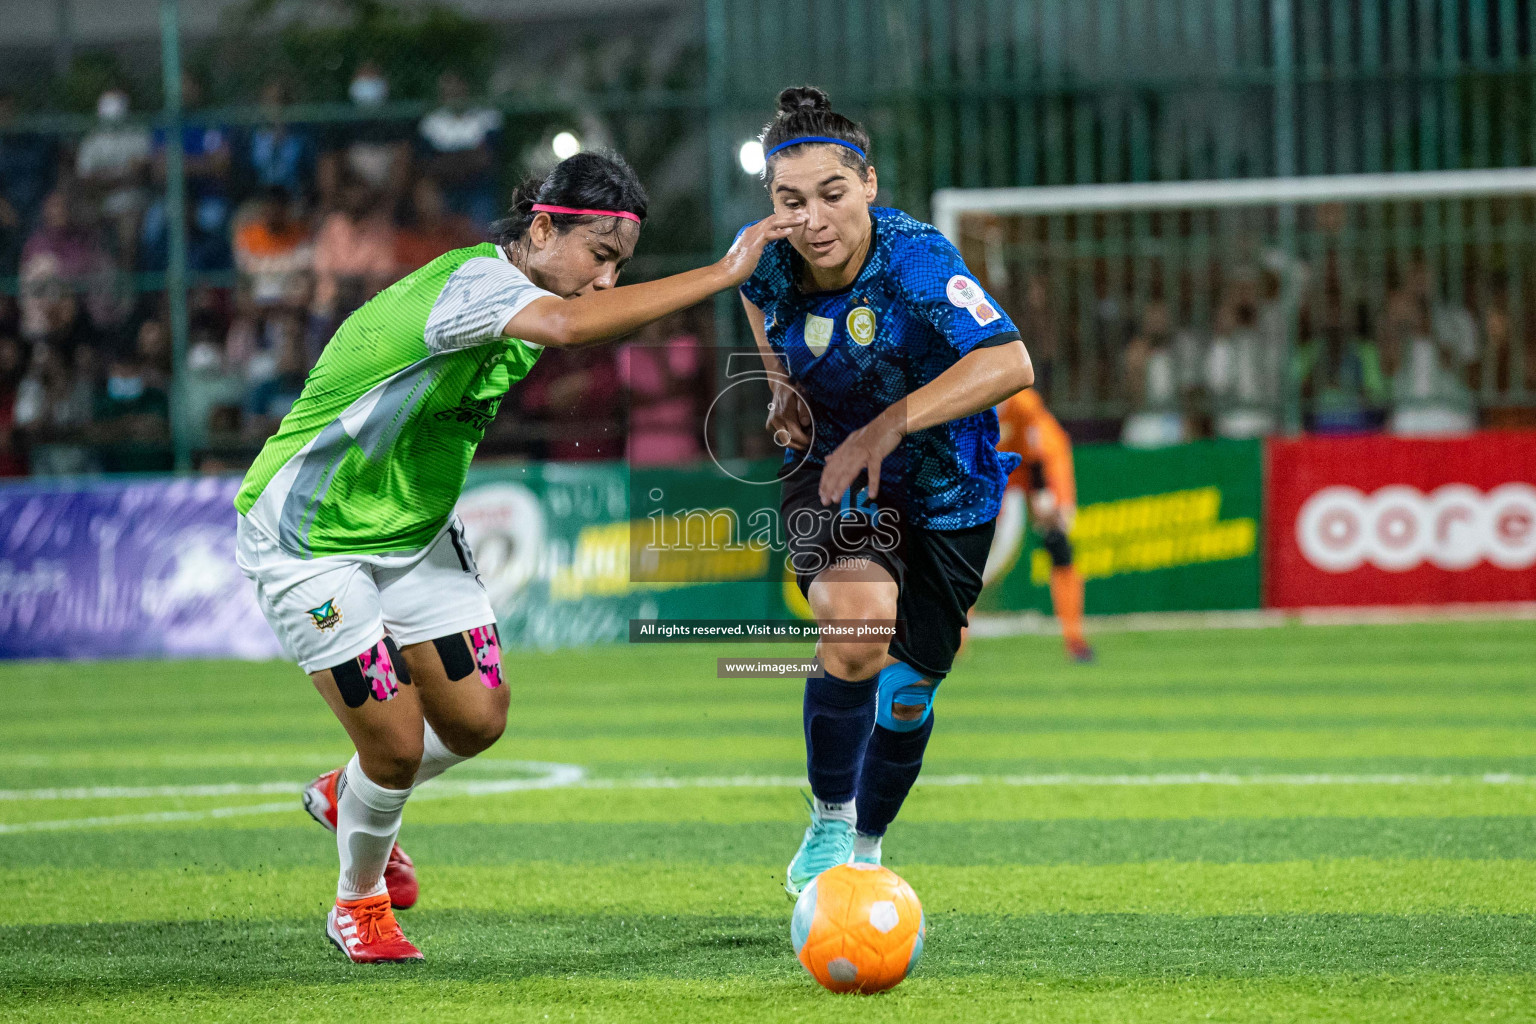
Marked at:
<point>839,715</point>
<point>891,763</point>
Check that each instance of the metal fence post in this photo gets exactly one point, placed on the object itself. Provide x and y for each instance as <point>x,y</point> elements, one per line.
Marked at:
<point>176,214</point>
<point>717,89</point>
<point>1283,65</point>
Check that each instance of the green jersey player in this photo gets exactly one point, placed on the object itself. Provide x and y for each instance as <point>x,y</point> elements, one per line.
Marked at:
<point>346,518</point>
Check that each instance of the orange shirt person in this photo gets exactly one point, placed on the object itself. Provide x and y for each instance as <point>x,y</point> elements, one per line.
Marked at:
<point>1050,490</point>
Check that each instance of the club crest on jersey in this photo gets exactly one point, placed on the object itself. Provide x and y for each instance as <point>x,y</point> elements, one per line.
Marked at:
<point>327,617</point>
<point>818,333</point>
<point>861,325</point>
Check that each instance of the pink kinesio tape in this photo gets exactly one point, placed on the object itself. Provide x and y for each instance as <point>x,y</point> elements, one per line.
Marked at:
<point>487,655</point>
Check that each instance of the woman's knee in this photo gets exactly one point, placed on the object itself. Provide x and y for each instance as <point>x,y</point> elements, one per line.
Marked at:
<point>850,602</point>
<point>470,734</point>
<point>852,660</point>
<point>395,766</point>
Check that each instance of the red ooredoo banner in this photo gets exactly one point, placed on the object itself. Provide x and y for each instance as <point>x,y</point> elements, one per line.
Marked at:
<point>1384,520</point>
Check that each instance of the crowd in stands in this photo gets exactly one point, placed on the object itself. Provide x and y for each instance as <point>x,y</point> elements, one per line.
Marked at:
<point>1405,357</point>
<point>290,227</point>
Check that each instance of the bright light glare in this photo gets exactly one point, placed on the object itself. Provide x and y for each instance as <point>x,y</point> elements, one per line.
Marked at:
<point>565,145</point>
<point>751,157</point>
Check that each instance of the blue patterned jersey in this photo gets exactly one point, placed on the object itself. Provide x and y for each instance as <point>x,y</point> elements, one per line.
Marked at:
<point>911,313</point>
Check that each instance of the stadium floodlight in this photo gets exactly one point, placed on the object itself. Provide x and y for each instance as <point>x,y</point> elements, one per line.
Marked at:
<point>565,145</point>
<point>751,157</point>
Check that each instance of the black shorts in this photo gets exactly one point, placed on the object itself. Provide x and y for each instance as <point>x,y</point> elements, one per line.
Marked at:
<point>937,572</point>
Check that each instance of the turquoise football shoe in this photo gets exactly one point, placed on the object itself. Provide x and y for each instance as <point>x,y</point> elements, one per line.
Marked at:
<point>828,842</point>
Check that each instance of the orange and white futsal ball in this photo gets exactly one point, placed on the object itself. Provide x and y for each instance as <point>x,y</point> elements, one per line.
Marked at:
<point>858,928</point>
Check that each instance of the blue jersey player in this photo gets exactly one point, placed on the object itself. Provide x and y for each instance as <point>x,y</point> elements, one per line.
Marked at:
<point>886,359</point>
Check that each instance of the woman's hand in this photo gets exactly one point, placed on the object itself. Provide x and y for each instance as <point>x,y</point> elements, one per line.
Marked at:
<point>789,418</point>
<point>864,449</point>
<point>741,260</point>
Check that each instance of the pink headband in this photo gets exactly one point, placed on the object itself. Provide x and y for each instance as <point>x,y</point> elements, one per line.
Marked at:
<point>545,207</point>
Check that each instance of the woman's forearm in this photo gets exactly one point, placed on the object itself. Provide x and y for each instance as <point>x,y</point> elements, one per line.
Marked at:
<point>614,312</point>
<point>979,380</point>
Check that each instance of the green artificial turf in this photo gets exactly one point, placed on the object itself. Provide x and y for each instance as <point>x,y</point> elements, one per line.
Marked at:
<point>1322,824</point>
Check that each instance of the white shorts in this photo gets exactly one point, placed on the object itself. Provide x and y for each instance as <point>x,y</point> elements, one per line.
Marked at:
<point>330,609</point>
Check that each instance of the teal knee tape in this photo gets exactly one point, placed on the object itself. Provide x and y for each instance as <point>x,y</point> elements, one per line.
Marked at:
<point>902,684</point>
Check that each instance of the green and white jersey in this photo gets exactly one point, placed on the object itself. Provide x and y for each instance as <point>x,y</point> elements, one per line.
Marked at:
<point>372,457</point>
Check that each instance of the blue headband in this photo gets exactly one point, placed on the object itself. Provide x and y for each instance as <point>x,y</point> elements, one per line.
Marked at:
<point>815,138</point>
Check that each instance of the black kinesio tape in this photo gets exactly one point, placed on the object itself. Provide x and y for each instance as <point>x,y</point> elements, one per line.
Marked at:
<point>453,650</point>
<point>350,681</point>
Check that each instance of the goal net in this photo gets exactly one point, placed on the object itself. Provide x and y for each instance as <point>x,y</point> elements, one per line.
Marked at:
<point>1158,312</point>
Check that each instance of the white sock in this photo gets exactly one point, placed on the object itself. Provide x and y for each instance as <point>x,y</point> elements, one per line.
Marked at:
<point>436,758</point>
<point>840,811</point>
<point>367,821</point>
<point>866,847</point>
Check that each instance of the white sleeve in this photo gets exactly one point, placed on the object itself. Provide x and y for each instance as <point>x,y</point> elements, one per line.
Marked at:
<point>476,303</point>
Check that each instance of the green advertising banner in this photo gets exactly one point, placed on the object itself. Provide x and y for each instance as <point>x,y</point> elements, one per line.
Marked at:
<point>570,552</point>
<point>1170,529</point>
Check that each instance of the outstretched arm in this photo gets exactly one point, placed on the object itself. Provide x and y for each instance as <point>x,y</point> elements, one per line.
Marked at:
<point>978,380</point>
<point>612,313</point>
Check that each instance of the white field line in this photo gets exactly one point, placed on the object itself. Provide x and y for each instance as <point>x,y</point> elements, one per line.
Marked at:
<point>569,776</point>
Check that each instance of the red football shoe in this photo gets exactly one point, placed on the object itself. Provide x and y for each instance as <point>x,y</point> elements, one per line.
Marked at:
<point>399,872</point>
<point>400,878</point>
<point>1080,652</point>
<point>367,932</point>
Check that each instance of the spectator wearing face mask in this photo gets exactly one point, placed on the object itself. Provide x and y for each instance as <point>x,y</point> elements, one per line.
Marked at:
<point>458,142</point>
<point>112,166</point>
<point>376,150</point>
<point>132,418</point>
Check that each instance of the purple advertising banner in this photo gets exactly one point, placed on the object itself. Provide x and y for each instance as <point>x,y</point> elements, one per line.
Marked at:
<point>125,568</point>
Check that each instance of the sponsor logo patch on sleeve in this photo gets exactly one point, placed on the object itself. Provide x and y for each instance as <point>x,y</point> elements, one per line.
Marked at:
<point>984,313</point>
<point>964,292</point>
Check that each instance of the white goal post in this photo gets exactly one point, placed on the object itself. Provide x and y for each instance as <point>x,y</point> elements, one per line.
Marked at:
<point>950,204</point>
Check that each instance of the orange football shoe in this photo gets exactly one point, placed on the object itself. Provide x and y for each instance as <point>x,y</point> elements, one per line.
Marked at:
<point>399,874</point>
<point>367,932</point>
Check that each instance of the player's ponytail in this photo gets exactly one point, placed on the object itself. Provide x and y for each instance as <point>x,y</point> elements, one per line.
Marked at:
<point>586,181</point>
<point>805,112</point>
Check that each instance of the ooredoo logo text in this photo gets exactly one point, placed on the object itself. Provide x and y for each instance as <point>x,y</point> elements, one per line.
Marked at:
<point>1398,528</point>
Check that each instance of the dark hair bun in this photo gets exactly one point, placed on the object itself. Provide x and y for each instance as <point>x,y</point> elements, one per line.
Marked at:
<point>804,97</point>
<point>805,112</point>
